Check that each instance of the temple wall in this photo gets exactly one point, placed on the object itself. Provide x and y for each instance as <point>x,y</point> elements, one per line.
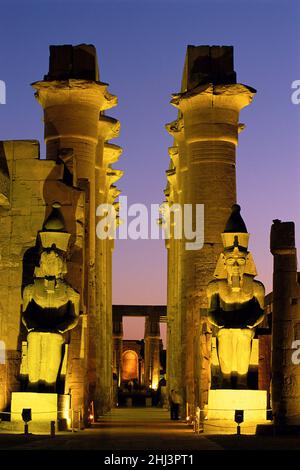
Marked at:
<point>34,186</point>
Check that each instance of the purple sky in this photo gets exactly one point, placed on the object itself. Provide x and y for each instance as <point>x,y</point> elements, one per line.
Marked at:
<point>141,48</point>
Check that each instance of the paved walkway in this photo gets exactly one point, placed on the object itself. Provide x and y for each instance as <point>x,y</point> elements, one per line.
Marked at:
<point>121,429</point>
<point>145,429</point>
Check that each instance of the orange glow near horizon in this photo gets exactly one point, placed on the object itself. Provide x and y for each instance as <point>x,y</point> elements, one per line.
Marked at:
<point>130,365</point>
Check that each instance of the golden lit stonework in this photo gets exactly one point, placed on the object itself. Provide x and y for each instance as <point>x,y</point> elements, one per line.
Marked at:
<point>50,308</point>
<point>235,302</point>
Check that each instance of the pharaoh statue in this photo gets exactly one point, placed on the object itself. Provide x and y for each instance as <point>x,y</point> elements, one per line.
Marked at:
<point>235,302</point>
<point>50,306</point>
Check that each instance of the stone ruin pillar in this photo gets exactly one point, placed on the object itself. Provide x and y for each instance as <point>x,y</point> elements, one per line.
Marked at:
<point>118,348</point>
<point>152,350</point>
<point>285,394</point>
<point>106,192</point>
<point>176,283</point>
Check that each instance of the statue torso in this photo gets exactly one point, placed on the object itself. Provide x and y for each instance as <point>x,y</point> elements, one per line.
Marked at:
<point>50,294</point>
<point>49,305</point>
<point>230,297</point>
<point>234,308</point>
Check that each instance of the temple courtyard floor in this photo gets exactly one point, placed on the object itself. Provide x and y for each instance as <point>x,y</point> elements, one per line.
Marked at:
<point>143,429</point>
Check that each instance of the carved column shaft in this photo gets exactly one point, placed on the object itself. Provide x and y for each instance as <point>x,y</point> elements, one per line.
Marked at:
<point>176,281</point>
<point>106,155</point>
<point>285,326</point>
<point>118,347</point>
<point>152,349</point>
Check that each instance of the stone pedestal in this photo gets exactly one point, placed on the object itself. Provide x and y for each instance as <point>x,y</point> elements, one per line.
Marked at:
<point>223,403</point>
<point>45,407</point>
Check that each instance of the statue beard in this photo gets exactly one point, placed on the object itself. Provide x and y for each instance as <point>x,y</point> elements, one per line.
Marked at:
<point>50,284</point>
<point>236,282</point>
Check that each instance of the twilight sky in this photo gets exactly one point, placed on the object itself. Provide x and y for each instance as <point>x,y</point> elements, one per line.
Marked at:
<point>141,47</point>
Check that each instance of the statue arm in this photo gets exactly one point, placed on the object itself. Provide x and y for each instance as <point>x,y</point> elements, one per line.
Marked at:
<point>75,299</point>
<point>214,305</point>
<point>27,296</point>
<point>27,319</point>
<point>72,317</point>
<point>259,295</point>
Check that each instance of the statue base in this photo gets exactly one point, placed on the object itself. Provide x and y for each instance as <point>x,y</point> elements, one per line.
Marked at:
<point>223,403</point>
<point>45,407</point>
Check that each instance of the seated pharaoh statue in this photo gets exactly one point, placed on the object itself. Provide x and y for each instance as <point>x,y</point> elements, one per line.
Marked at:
<point>235,302</point>
<point>50,306</point>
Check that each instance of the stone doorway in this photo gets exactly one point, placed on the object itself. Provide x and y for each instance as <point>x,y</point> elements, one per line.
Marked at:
<point>139,366</point>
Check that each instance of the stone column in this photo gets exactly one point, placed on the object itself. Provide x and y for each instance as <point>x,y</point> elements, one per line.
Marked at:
<point>209,106</point>
<point>109,323</point>
<point>173,285</point>
<point>152,349</point>
<point>118,347</point>
<point>107,154</point>
<point>72,98</point>
<point>285,394</point>
<point>113,193</point>
<point>176,281</point>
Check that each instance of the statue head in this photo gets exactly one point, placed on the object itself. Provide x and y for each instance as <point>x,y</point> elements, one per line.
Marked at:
<point>52,264</point>
<point>236,261</point>
<point>54,242</point>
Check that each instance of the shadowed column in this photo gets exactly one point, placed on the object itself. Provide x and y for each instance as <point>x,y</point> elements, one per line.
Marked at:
<point>285,326</point>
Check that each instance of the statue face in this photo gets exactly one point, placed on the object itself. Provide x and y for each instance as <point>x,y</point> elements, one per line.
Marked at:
<point>51,263</point>
<point>235,265</point>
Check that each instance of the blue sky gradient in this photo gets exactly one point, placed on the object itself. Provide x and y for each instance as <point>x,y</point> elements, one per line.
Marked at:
<point>141,48</point>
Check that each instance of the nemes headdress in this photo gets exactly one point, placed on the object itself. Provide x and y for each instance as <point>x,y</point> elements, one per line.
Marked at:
<point>235,238</point>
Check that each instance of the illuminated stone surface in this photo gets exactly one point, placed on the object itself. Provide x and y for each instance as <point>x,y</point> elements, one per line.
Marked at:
<point>235,302</point>
<point>223,403</point>
<point>50,307</point>
<point>152,350</point>
<point>149,362</point>
<point>130,365</point>
<point>215,363</point>
<point>43,405</point>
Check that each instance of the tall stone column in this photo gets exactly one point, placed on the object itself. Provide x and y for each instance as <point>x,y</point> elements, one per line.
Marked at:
<point>113,193</point>
<point>109,323</point>
<point>73,98</point>
<point>176,282</point>
<point>152,349</point>
<point>173,284</point>
<point>209,106</point>
<point>285,394</point>
<point>107,154</point>
<point>118,347</point>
